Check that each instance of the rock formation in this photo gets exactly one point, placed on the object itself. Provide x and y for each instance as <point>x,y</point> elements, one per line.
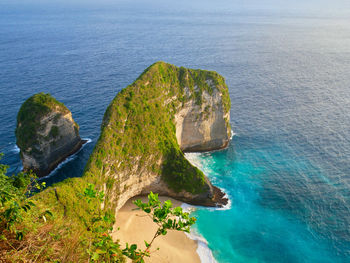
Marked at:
<point>148,126</point>
<point>46,133</point>
<point>204,126</point>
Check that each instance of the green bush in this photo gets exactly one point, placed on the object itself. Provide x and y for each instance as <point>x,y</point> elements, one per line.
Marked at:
<point>14,202</point>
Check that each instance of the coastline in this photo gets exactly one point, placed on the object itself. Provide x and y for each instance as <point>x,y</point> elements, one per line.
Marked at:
<point>135,227</point>
<point>203,250</point>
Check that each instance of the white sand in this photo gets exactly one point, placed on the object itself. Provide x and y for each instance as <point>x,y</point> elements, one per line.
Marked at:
<point>135,227</point>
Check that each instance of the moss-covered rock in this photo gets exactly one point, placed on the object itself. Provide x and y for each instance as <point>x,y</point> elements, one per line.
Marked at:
<point>46,133</point>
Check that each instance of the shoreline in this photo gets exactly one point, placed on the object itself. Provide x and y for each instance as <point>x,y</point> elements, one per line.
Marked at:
<point>135,227</point>
<point>204,252</point>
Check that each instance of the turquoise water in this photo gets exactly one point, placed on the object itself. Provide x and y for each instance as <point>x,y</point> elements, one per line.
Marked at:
<point>286,63</point>
<point>258,226</point>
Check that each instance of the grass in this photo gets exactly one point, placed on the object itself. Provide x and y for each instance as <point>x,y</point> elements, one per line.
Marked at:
<point>62,235</point>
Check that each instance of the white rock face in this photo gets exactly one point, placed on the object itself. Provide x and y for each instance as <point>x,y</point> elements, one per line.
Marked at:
<point>203,127</point>
<point>58,137</point>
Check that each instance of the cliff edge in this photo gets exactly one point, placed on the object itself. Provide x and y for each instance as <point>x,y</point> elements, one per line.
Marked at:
<point>168,110</point>
<point>46,133</point>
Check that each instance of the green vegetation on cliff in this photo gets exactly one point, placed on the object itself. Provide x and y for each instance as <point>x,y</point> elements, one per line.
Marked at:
<point>28,118</point>
<point>138,128</point>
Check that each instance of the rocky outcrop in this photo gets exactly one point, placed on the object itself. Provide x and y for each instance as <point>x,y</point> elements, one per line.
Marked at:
<point>46,133</point>
<point>148,126</point>
<point>203,127</point>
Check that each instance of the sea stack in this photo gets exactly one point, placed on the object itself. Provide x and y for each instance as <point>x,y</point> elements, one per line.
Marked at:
<point>46,133</point>
<point>147,128</point>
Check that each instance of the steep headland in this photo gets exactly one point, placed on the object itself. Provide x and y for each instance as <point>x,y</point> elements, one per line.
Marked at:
<point>46,133</point>
<point>148,126</point>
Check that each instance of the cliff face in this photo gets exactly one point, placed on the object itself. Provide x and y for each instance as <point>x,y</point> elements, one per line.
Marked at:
<point>46,133</point>
<point>203,127</point>
<point>149,124</point>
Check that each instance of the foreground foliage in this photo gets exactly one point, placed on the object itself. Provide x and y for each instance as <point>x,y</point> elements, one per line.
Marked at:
<point>32,232</point>
<point>13,201</point>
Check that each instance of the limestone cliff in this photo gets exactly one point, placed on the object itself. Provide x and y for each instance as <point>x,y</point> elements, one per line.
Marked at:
<point>46,133</point>
<point>149,124</point>
<point>203,126</point>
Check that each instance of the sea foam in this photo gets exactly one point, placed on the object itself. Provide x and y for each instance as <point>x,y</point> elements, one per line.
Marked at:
<point>203,250</point>
<point>15,149</point>
<point>195,160</point>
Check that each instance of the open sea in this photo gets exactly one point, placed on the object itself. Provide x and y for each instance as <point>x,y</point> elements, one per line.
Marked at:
<point>287,66</point>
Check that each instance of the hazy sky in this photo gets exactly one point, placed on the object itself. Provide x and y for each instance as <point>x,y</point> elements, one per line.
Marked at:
<point>321,8</point>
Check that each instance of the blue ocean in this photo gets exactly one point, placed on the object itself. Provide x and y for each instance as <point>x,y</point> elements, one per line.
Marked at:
<point>287,66</point>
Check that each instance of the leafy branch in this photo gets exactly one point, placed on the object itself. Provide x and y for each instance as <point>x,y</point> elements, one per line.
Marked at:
<point>166,217</point>
<point>101,246</point>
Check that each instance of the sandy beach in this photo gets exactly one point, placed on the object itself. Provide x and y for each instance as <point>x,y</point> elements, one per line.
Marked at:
<point>135,227</point>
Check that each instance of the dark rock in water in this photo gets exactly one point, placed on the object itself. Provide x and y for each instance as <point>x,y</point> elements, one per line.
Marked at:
<point>46,133</point>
